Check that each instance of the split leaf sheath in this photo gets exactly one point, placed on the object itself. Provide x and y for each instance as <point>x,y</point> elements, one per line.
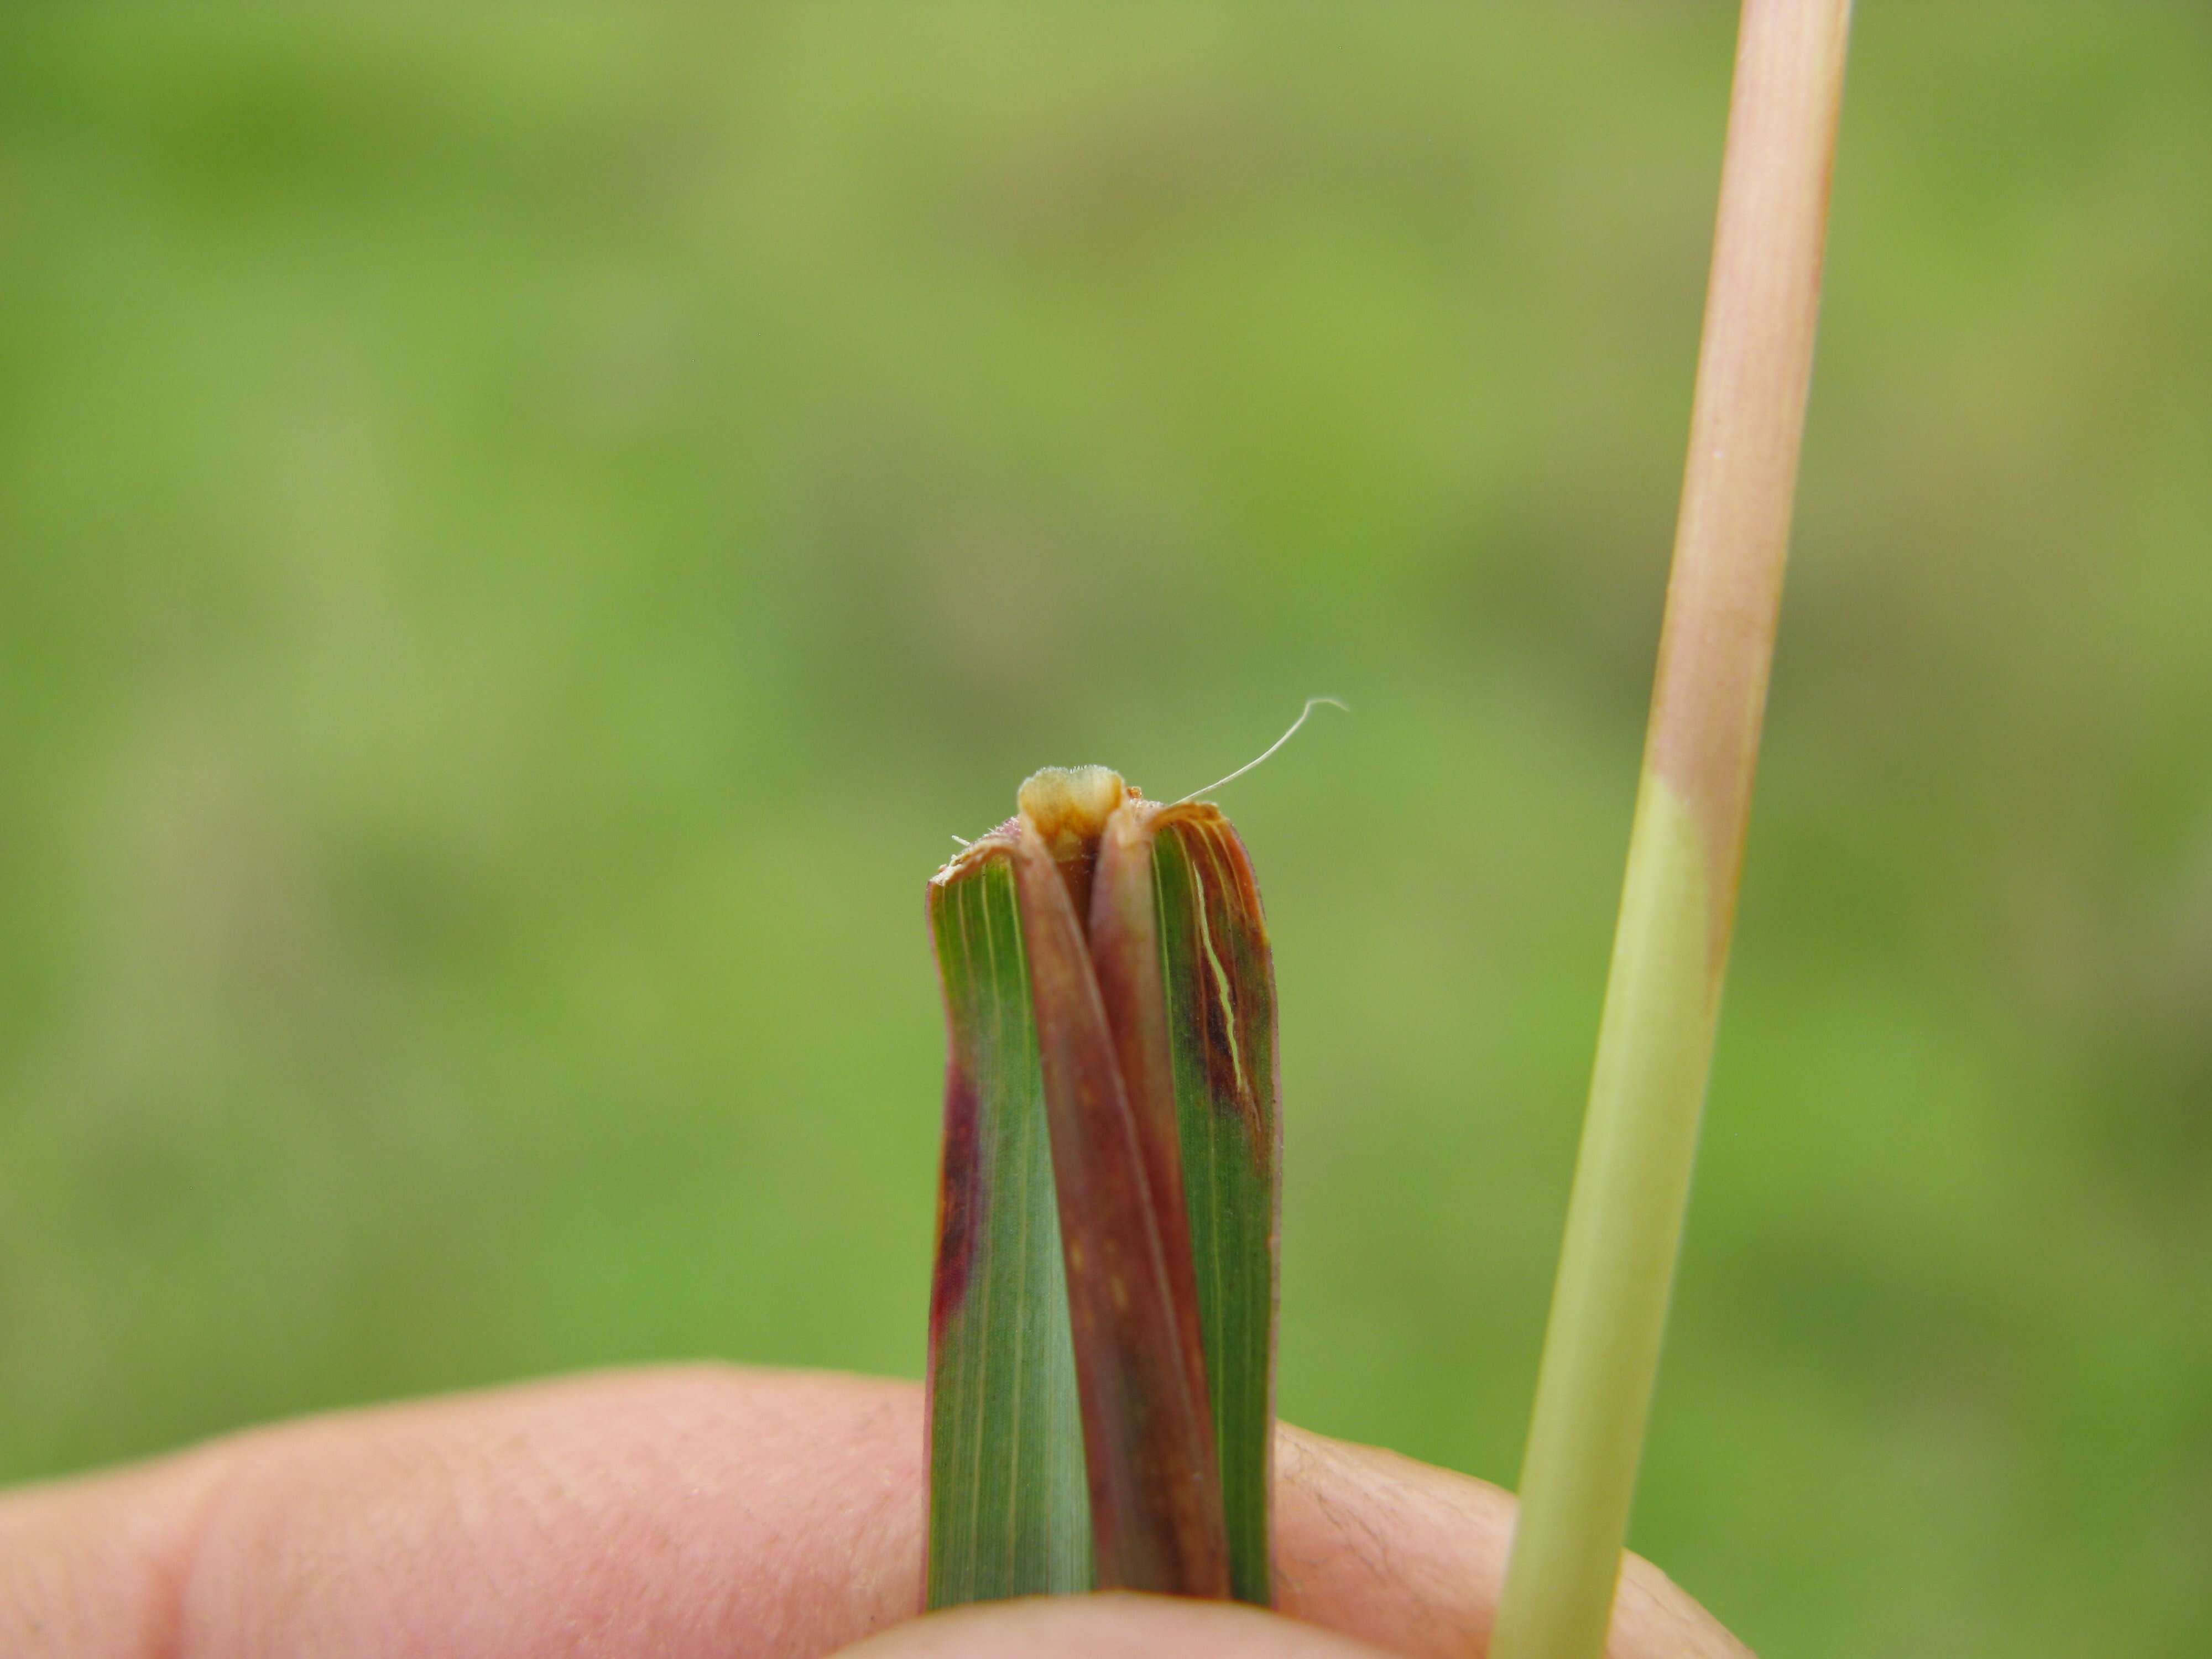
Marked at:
<point>1110,1099</point>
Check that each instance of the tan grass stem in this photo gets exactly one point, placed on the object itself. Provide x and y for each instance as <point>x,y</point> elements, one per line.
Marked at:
<point>1678,900</point>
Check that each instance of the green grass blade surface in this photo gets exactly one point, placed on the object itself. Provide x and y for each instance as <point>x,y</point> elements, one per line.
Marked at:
<point>1008,1512</point>
<point>1221,987</point>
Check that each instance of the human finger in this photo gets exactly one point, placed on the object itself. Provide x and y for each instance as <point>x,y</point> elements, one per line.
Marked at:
<point>700,1511</point>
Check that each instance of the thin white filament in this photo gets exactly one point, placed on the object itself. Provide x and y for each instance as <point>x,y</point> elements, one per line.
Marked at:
<point>1312,703</point>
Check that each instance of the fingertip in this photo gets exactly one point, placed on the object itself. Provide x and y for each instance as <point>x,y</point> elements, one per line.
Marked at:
<point>696,1510</point>
<point>701,1509</point>
<point>1410,1557</point>
<point>1115,1625</point>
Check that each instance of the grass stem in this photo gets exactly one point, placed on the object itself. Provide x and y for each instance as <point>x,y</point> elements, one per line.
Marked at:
<point>1678,902</point>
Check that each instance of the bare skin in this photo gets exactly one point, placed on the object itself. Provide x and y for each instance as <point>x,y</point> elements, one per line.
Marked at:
<point>698,1513</point>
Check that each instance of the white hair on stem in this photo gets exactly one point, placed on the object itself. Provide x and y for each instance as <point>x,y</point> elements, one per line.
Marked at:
<point>1312,703</point>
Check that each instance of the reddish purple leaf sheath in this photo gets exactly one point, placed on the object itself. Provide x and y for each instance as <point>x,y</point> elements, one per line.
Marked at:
<point>1132,1303</point>
<point>1106,1233</point>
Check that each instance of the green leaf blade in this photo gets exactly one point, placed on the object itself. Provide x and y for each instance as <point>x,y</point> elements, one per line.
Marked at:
<point>1008,1511</point>
<point>1218,978</point>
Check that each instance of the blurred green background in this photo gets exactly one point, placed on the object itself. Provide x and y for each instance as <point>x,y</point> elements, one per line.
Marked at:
<point>522,535</point>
